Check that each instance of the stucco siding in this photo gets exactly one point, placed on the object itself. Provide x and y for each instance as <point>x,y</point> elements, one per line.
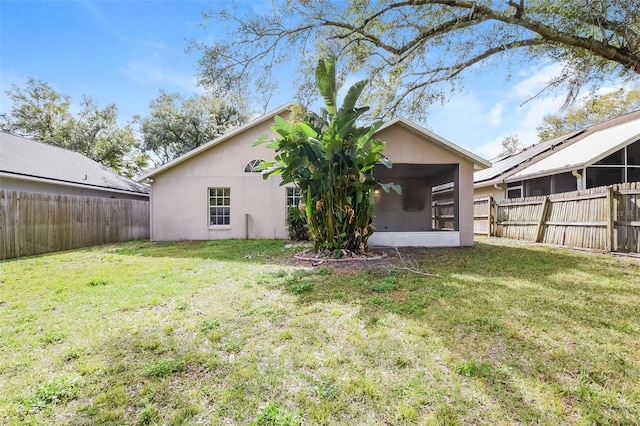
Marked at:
<point>466,203</point>
<point>180,197</point>
<point>485,191</point>
<point>404,146</point>
<point>180,202</point>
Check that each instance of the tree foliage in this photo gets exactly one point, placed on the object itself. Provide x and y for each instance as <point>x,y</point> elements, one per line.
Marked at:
<point>510,145</point>
<point>331,159</point>
<point>39,112</point>
<point>416,51</point>
<point>592,111</point>
<point>177,124</point>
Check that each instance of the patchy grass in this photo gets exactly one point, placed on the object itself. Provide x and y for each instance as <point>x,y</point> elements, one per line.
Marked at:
<point>226,333</point>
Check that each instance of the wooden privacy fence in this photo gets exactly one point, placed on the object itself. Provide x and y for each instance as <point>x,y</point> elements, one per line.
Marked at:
<point>34,223</point>
<point>604,218</point>
<point>443,214</point>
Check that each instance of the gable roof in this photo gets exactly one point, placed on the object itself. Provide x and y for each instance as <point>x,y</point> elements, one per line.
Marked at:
<point>505,166</point>
<point>590,149</point>
<point>23,158</point>
<point>560,154</point>
<point>478,162</point>
<point>228,135</point>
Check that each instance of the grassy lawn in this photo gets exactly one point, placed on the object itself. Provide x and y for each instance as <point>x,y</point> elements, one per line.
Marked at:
<point>227,333</point>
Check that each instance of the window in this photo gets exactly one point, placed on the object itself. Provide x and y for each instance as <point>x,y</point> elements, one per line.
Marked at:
<point>252,166</point>
<point>633,153</point>
<point>603,176</point>
<point>514,190</point>
<point>219,206</point>
<point>538,186</point>
<point>563,182</point>
<point>294,195</point>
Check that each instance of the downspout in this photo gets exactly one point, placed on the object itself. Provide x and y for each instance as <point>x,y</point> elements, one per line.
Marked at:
<point>578,177</point>
<point>150,209</point>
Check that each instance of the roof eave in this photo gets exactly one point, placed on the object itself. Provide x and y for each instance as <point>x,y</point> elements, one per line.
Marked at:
<point>216,141</point>
<point>545,173</point>
<point>478,162</point>
<point>73,184</point>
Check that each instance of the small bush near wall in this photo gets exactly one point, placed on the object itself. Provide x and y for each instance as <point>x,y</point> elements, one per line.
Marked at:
<point>297,224</point>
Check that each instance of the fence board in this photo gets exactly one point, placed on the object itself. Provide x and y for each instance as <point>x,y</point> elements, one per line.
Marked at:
<point>603,218</point>
<point>34,223</point>
<point>482,215</point>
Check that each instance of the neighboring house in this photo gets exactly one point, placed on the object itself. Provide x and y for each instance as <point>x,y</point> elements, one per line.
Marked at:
<point>214,192</point>
<point>600,155</point>
<point>31,166</point>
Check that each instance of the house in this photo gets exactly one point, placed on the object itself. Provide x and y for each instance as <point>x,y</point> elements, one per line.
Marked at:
<point>31,166</point>
<point>214,191</point>
<point>599,155</point>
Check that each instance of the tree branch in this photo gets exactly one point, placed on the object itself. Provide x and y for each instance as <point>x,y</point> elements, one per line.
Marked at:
<point>617,54</point>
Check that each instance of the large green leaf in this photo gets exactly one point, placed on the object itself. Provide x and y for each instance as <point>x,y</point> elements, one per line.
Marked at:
<point>332,160</point>
<point>326,82</point>
<point>354,92</point>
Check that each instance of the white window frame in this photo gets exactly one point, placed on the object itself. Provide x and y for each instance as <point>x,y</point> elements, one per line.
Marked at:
<point>291,199</point>
<point>221,212</point>
<point>514,187</point>
<point>250,167</point>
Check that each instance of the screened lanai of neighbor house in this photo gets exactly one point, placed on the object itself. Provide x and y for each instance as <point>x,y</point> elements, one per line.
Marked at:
<point>604,157</point>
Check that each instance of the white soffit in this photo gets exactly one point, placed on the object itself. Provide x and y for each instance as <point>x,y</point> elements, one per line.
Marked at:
<point>585,152</point>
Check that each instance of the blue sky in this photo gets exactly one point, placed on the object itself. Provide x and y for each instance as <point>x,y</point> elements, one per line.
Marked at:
<point>125,52</point>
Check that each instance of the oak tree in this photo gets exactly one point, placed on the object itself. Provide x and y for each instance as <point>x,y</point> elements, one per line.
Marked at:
<point>41,113</point>
<point>594,110</point>
<point>177,124</point>
<point>415,52</point>
<point>510,145</point>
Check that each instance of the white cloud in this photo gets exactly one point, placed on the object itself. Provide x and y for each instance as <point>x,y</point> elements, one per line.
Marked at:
<point>488,150</point>
<point>147,71</point>
<point>536,78</point>
<point>495,115</point>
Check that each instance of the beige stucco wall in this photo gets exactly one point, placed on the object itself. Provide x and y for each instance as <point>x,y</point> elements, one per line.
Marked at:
<point>497,194</point>
<point>180,198</point>
<point>406,146</point>
<point>179,202</point>
<point>390,216</point>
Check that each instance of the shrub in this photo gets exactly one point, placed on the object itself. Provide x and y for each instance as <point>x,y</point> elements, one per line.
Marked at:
<point>297,224</point>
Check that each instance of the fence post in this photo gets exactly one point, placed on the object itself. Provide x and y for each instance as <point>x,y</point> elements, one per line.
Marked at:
<point>542,219</point>
<point>610,220</point>
<point>495,205</point>
<point>490,218</point>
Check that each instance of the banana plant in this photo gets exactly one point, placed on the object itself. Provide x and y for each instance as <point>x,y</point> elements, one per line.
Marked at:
<point>331,159</point>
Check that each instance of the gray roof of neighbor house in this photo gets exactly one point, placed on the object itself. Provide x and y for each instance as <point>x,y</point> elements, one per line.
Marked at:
<point>558,154</point>
<point>23,158</point>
